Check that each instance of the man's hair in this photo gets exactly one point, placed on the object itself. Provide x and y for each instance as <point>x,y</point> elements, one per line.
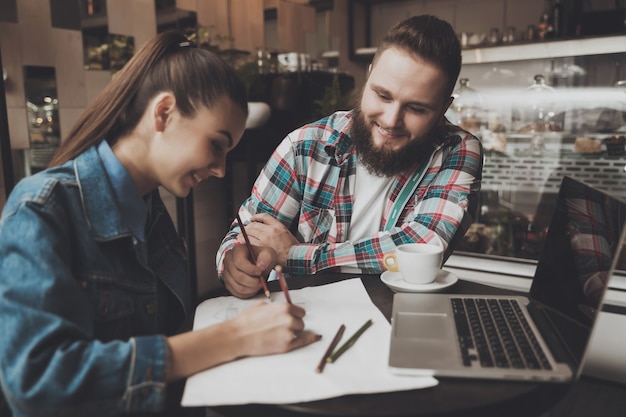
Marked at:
<point>430,39</point>
<point>168,62</point>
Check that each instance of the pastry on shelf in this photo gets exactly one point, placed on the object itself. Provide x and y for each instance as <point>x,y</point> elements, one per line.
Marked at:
<point>587,145</point>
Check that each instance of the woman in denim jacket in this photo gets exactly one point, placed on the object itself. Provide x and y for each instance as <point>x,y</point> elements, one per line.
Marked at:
<point>93,277</point>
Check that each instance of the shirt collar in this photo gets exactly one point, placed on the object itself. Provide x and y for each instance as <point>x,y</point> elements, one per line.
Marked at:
<point>339,143</point>
<point>132,206</point>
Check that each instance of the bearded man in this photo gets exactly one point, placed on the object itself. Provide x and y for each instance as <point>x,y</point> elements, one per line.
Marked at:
<point>344,191</point>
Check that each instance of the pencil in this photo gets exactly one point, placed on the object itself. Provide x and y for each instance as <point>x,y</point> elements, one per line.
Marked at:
<point>333,343</point>
<point>348,344</point>
<point>252,255</point>
<point>282,282</point>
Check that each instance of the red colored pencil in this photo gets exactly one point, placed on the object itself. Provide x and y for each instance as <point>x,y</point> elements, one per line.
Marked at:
<point>282,282</point>
<point>331,347</point>
<point>252,255</point>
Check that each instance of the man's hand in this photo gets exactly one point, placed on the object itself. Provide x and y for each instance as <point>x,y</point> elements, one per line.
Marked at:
<point>265,230</point>
<point>242,278</point>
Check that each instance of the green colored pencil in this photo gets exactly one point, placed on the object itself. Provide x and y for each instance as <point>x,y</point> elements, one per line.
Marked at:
<point>348,344</point>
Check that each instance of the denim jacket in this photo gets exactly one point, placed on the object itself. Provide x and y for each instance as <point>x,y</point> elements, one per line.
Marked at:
<point>84,305</point>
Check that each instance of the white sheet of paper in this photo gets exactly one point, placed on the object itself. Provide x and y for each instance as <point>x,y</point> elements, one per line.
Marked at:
<point>291,377</point>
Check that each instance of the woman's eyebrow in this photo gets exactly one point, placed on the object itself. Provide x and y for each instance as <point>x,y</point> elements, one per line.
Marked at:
<point>228,136</point>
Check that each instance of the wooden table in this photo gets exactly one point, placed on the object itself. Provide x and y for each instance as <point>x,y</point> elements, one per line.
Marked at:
<point>451,397</point>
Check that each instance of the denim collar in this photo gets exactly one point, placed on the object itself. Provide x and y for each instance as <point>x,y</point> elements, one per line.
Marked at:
<point>133,206</point>
<point>98,198</point>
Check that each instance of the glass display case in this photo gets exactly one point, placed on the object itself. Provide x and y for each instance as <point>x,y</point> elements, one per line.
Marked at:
<point>546,110</point>
<point>543,107</point>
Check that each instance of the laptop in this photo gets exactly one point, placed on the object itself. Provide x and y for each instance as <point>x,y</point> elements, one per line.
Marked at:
<point>436,334</point>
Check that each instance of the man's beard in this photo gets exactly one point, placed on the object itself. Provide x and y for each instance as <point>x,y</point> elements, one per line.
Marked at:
<point>384,162</point>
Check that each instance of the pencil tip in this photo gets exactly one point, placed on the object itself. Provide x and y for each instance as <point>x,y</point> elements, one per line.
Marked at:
<point>267,293</point>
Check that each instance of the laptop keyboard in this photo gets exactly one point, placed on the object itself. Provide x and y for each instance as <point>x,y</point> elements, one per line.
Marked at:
<point>495,333</point>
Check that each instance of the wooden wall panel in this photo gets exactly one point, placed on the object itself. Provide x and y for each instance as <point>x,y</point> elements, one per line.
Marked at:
<point>293,21</point>
<point>187,5</point>
<point>10,42</point>
<point>70,75</point>
<point>36,32</point>
<point>339,28</point>
<point>214,14</point>
<point>119,17</point>
<point>247,24</point>
<point>270,4</point>
<point>240,19</point>
<point>490,10</point>
<point>95,81</point>
<point>67,118</point>
<point>18,127</point>
<point>136,18</point>
<point>144,22</point>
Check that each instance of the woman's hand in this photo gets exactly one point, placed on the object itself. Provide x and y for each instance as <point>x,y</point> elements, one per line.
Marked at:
<point>267,328</point>
<point>262,329</point>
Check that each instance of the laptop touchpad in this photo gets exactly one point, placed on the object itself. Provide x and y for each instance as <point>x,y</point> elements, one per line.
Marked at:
<point>420,325</point>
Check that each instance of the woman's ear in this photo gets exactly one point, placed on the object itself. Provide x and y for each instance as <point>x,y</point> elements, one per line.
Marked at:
<point>163,106</point>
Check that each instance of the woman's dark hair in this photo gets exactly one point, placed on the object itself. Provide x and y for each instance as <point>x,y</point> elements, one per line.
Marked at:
<point>168,62</point>
<point>430,39</point>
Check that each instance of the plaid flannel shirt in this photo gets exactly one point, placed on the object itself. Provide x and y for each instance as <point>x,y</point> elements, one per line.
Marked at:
<point>308,185</point>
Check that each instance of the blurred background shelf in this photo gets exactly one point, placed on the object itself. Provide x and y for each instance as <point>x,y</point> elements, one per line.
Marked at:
<point>535,50</point>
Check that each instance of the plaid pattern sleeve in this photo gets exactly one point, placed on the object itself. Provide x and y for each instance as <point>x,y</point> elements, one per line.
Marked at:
<point>297,186</point>
<point>306,185</point>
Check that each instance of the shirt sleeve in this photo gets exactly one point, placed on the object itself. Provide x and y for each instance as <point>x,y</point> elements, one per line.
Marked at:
<point>50,362</point>
<point>276,192</point>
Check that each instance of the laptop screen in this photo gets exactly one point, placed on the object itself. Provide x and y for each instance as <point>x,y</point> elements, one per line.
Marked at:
<point>583,242</point>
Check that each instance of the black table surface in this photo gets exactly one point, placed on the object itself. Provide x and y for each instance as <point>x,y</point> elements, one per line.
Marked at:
<point>452,396</point>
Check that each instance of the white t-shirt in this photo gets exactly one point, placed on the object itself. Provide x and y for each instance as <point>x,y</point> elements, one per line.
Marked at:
<point>370,196</point>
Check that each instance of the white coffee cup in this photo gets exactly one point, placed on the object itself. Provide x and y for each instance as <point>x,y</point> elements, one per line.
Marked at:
<point>418,263</point>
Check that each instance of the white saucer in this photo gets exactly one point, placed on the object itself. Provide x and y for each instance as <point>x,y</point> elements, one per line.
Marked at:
<point>394,281</point>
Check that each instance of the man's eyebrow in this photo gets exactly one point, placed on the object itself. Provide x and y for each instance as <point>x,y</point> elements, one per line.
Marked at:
<point>381,90</point>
